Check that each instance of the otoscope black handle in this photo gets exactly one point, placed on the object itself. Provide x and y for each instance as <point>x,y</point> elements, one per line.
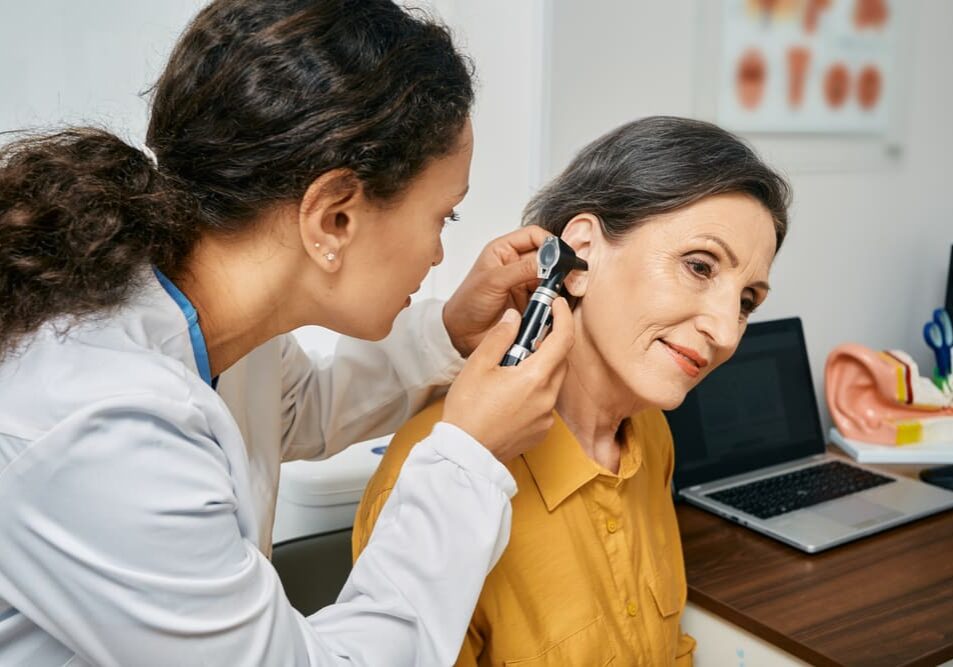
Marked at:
<point>536,322</point>
<point>509,360</point>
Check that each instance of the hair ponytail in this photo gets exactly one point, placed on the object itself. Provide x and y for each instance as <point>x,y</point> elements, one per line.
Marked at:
<point>81,213</point>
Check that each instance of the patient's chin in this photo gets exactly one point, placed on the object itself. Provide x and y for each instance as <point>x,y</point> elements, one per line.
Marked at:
<point>669,400</point>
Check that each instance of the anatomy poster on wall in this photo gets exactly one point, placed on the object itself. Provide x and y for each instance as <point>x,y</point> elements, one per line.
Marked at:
<point>814,66</point>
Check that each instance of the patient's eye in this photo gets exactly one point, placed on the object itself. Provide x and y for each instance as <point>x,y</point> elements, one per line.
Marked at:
<point>699,267</point>
<point>748,306</point>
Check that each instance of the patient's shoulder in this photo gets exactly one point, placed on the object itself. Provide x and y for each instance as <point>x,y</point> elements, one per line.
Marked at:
<point>416,429</point>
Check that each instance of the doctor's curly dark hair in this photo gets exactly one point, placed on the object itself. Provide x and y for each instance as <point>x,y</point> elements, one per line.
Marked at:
<point>257,100</point>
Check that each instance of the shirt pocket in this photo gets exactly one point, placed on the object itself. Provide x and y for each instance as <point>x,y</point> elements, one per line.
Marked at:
<point>589,645</point>
<point>668,600</point>
<point>668,588</point>
<point>665,631</point>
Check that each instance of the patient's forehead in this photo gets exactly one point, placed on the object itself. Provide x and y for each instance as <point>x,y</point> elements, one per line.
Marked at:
<point>737,220</point>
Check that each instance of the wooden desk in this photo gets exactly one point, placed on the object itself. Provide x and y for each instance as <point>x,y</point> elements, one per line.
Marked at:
<point>882,600</point>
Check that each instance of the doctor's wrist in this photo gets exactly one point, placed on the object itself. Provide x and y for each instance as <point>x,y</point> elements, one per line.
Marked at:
<point>461,343</point>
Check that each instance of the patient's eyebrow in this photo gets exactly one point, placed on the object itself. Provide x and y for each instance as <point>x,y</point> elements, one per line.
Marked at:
<point>732,257</point>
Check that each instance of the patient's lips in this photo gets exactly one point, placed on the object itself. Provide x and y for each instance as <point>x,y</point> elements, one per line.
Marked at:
<point>687,359</point>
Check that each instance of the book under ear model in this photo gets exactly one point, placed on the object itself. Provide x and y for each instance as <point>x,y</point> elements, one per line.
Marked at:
<point>919,453</point>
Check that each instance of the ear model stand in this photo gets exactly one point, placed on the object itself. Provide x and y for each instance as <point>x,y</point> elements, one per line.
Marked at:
<point>555,260</point>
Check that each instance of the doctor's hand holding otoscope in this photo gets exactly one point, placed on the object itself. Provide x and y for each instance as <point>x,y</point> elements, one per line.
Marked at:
<point>555,260</point>
<point>546,310</point>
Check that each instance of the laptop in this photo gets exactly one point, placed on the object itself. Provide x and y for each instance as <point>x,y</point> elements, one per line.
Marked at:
<point>749,447</point>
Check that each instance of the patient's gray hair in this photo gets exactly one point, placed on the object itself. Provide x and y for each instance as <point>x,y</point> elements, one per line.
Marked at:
<point>652,166</point>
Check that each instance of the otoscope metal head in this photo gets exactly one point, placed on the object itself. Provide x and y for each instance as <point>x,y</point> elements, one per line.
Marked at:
<point>556,257</point>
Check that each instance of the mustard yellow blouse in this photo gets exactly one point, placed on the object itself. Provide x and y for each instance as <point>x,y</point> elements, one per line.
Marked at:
<point>593,573</point>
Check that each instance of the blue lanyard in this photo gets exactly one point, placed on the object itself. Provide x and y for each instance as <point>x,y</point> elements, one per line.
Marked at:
<point>195,333</point>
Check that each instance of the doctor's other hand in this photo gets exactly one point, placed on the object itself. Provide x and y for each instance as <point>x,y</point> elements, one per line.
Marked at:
<point>510,409</point>
<point>503,276</point>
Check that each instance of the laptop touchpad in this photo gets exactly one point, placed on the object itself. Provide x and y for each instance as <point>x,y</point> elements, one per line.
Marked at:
<point>857,512</point>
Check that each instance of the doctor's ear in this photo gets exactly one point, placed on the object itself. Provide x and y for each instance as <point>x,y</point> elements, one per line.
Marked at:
<point>329,215</point>
<point>581,233</point>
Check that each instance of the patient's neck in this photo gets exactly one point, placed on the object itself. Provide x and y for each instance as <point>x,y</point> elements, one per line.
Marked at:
<point>594,403</point>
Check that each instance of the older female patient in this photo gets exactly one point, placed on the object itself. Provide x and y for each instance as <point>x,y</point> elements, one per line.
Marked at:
<point>679,222</point>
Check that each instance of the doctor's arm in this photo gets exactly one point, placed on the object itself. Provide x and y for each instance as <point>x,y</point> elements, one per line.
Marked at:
<point>377,495</point>
<point>364,389</point>
<point>143,554</point>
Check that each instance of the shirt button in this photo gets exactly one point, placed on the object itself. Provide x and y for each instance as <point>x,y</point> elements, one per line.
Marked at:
<point>632,608</point>
<point>611,525</point>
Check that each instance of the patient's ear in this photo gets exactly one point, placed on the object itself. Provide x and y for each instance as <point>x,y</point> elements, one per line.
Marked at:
<point>581,233</point>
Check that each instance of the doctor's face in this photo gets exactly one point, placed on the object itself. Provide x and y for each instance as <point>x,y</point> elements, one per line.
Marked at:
<point>669,303</point>
<point>399,242</point>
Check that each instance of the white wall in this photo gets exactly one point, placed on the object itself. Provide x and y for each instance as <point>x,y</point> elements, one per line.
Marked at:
<point>867,253</point>
<point>63,61</point>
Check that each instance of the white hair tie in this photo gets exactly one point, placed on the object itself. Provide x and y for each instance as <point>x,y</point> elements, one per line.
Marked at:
<point>149,153</point>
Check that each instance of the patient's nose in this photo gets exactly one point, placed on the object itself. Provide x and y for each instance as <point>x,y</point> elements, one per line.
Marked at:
<point>720,322</point>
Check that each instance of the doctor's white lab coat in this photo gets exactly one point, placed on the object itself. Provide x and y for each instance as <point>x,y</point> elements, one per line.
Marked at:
<point>136,503</point>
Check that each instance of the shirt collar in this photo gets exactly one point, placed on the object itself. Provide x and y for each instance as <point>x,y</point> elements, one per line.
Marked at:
<point>560,467</point>
<point>195,332</point>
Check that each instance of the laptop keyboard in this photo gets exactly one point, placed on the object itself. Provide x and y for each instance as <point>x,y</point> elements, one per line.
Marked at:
<point>796,490</point>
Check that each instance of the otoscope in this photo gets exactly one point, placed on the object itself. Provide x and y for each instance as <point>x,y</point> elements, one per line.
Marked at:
<point>555,259</point>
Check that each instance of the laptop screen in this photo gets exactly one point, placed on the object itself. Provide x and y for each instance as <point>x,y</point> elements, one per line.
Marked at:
<point>756,410</point>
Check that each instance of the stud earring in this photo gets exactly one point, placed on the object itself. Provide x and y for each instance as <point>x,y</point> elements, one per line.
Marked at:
<point>330,256</point>
<point>317,245</point>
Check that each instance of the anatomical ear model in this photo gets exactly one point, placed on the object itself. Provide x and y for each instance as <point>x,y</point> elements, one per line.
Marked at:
<point>880,397</point>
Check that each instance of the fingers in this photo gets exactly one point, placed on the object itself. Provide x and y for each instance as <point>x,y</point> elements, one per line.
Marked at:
<point>509,409</point>
<point>497,341</point>
<point>524,239</point>
<point>560,375</point>
<point>519,297</point>
<point>516,274</point>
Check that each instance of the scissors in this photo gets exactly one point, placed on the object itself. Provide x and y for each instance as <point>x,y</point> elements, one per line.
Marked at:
<point>938,335</point>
